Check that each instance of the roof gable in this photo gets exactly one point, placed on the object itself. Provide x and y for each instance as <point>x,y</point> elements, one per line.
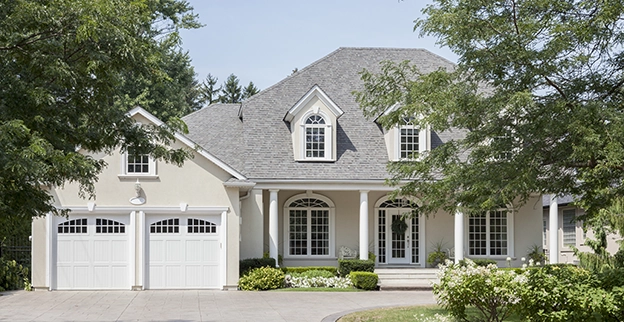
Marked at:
<point>314,92</point>
<point>188,142</point>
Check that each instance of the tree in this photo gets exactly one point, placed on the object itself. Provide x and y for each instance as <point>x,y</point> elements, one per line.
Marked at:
<point>231,92</point>
<point>209,91</point>
<point>538,91</point>
<point>249,91</point>
<point>63,66</point>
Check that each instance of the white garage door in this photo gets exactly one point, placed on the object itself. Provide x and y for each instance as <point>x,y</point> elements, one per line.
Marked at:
<point>92,253</point>
<point>184,252</point>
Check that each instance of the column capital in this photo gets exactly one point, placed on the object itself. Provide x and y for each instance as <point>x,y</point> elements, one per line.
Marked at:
<point>273,190</point>
<point>364,191</point>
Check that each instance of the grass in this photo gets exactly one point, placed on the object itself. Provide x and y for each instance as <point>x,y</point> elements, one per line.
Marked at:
<point>407,313</point>
<point>318,289</point>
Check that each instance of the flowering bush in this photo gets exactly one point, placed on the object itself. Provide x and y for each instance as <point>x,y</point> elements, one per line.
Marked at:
<point>304,282</point>
<point>495,293</point>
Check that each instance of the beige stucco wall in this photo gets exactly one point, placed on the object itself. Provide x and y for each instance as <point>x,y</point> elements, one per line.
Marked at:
<point>38,254</point>
<point>198,183</point>
<point>566,254</point>
<point>298,134</point>
<point>252,234</point>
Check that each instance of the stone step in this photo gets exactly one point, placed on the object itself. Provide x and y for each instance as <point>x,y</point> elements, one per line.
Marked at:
<point>392,278</point>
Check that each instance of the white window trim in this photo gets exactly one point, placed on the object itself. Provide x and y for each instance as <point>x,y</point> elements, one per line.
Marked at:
<point>423,141</point>
<point>332,227</point>
<point>152,174</point>
<point>329,137</point>
<point>577,242</point>
<point>510,236</point>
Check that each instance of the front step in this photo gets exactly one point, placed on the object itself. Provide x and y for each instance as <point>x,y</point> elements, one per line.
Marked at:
<point>408,278</point>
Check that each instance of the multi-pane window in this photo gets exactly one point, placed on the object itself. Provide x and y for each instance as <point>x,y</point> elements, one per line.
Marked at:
<point>488,234</point>
<point>199,226</point>
<point>75,226</point>
<point>315,137</point>
<point>138,163</point>
<point>107,226</point>
<point>308,227</point>
<point>167,226</point>
<point>569,227</point>
<point>408,142</point>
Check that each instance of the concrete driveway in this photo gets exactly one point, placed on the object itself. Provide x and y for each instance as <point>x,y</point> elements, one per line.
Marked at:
<point>196,305</point>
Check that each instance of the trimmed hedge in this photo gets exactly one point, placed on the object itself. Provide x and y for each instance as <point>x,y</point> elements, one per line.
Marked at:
<point>479,262</point>
<point>290,270</point>
<point>346,266</point>
<point>364,280</point>
<point>263,278</point>
<point>246,265</point>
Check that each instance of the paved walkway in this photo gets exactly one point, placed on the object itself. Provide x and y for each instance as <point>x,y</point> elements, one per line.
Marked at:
<point>196,305</point>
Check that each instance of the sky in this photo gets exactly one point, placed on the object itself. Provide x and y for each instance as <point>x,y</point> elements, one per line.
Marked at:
<point>265,40</point>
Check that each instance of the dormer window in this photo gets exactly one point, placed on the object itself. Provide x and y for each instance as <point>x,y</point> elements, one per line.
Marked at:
<point>136,164</point>
<point>408,142</point>
<point>315,136</point>
<point>313,121</point>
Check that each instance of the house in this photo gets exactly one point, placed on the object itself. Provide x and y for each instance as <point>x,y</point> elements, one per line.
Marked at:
<point>569,232</point>
<point>295,171</point>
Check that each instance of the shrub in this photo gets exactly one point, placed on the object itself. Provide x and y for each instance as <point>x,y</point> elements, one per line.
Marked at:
<point>364,280</point>
<point>536,254</point>
<point>246,265</point>
<point>611,278</point>
<point>313,274</point>
<point>565,293</point>
<point>263,278</point>
<point>618,258</point>
<point>492,291</point>
<point>479,262</point>
<point>298,270</point>
<point>305,282</point>
<point>13,276</point>
<point>346,266</point>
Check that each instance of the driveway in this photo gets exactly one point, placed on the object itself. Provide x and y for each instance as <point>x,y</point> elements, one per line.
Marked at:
<point>196,305</point>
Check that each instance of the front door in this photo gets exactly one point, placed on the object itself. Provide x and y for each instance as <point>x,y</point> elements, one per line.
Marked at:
<point>401,244</point>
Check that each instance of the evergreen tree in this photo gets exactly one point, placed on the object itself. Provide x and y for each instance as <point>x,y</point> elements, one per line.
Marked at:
<point>209,91</point>
<point>250,90</point>
<point>231,92</point>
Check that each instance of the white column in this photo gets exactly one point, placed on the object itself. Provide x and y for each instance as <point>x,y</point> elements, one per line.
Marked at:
<point>459,236</point>
<point>364,224</point>
<point>553,233</point>
<point>273,226</point>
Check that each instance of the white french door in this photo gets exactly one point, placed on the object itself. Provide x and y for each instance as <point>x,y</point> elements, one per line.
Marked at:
<point>395,247</point>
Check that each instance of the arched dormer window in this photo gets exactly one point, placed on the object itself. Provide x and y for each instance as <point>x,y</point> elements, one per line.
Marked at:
<point>313,121</point>
<point>316,131</point>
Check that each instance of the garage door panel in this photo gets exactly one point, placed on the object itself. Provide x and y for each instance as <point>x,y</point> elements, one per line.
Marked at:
<point>190,247</point>
<point>88,258</point>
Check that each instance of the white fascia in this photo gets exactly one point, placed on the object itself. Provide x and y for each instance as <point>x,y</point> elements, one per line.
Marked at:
<point>188,142</point>
<point>315,91</point>
<point>318,185</point>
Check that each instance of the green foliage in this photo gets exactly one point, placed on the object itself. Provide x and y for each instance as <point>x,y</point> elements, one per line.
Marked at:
<point>536,254</point>
<point>260,279</point>
<point>372,256</point>
<point>478,261</point>
<point>364,280</point>
<point>231,92</point>
<point>346,266</point>
<point>13,276</point>
<point>314,273</point>
<point>437,255</point>
<point>208,90</point>
<point>63,66</point>
<point>538,82</point>
<point>493,292</point>
<point>610,279</point>
<point>298,270</point>
<point>565,293</point>
<point>246,265</point>
<point>249,91</point>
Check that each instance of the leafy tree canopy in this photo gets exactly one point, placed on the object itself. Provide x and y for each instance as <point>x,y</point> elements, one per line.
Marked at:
<point>537,91</point>
<point>63,65</point>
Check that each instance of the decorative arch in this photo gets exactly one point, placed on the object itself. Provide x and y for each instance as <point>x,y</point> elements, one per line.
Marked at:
<point>316,135</point>
<point>309,227</point>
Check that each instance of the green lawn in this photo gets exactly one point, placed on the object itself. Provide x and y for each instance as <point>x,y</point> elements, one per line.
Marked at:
<point>407,313</point>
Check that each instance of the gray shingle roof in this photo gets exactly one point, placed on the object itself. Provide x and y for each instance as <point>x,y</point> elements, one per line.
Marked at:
<point>261,145</point>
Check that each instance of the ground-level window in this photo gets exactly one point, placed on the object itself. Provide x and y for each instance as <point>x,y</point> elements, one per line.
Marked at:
<point>569,227</point>
<point>308,227</point>
<point>488,233</point>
